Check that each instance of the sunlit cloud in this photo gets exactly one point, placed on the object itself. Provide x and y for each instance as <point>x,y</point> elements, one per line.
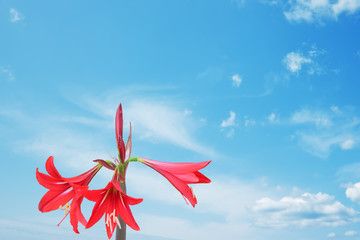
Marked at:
<point>308,209</point>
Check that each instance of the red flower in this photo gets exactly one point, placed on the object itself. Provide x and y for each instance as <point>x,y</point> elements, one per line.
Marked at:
<point>62,190</point>
<point>180,175</point>
<point>112,202</point>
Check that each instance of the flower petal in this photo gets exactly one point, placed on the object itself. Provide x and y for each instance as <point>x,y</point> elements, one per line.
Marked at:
<point>50,168</point>
<point>52,200</point>
<point>125,212</point>
<point>130,200</point>
<point>99,208</point>
<point>177,167</point>
<point>50,182</point>
<point>128,145</point>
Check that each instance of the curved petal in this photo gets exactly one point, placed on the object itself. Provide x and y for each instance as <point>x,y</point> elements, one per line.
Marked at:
<point>125,213</point>
<point>202,178</point>
<point>111,214</point>
<point>182,187</point>
<point>130,200</point>
<point>176,167</point>
<point>128,145</point>
<point>119,123</point>
<point>50,168</point>
<point>50,182</point>
<point>79,216</point>
<point>52,200</point>
<point>99,208</point>
<point>187,177</point>
<point>93,195</point>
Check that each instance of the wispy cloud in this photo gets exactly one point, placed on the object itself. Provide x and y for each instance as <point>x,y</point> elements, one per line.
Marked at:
<point>230,121</point>
<point>331,235</point>
<point>7,74</point>
<point>308,209</point>
<point>236,80</point>
<point>273,118</point>
<point>350,233</point>
<point>153,119</point>
<point>15,15</point>
<point>318,118</point>
<point>317,11</point>
<point>324,130</point>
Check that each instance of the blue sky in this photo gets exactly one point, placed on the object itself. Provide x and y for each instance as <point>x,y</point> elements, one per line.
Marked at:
<point>268,90</point>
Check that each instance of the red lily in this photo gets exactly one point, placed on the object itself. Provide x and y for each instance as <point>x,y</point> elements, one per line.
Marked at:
<point>62,190</point>
<point>180,175</point>
<point>112,202</point>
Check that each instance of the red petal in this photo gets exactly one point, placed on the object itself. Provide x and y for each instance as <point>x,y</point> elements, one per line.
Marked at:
<point>119,123</point>
<point>99,208</point>
<point>84,178</point>
<point>119,133</point>
<point>177,167</point>
<point>130,200</point>
<point>181,186</point>
<point>128,145</point>
<point>110,215</point>
<point>93,195</point>
<point>50,182</point>
<point>125,212</point>
<point>53,199</point>
<point>202,178</point>
<point>187,177</point>
<point>80,217</point>
<point>50,168</point>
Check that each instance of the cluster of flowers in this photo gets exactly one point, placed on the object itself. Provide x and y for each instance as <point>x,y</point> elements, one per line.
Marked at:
<point>111,200</point>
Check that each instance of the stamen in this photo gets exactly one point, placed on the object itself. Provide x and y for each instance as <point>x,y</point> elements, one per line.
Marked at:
<point>66,209</point>
<point>109,219</point>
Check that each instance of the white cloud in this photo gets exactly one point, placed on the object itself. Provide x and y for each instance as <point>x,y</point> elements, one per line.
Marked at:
<point>295,60</point>
<point>237,80</point>
<point>15,16</point>
<point>248,121</point>
<point>306,116</point>
<point>350,233</point>
<point>318,10</point>
<point>230,121</point>
<point>187,112</point>
<point>159,121</point>
<point>347,144</point>
<point>320,143</point>
<point>152,119</point>
<point>337,129</point>
<point>331,235</point>
<point>353,192</point>
<point>230,133</point>
<point>335,109</point>
<point>7,74</point>
<point>306,210</point>
<point>272,118</point>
